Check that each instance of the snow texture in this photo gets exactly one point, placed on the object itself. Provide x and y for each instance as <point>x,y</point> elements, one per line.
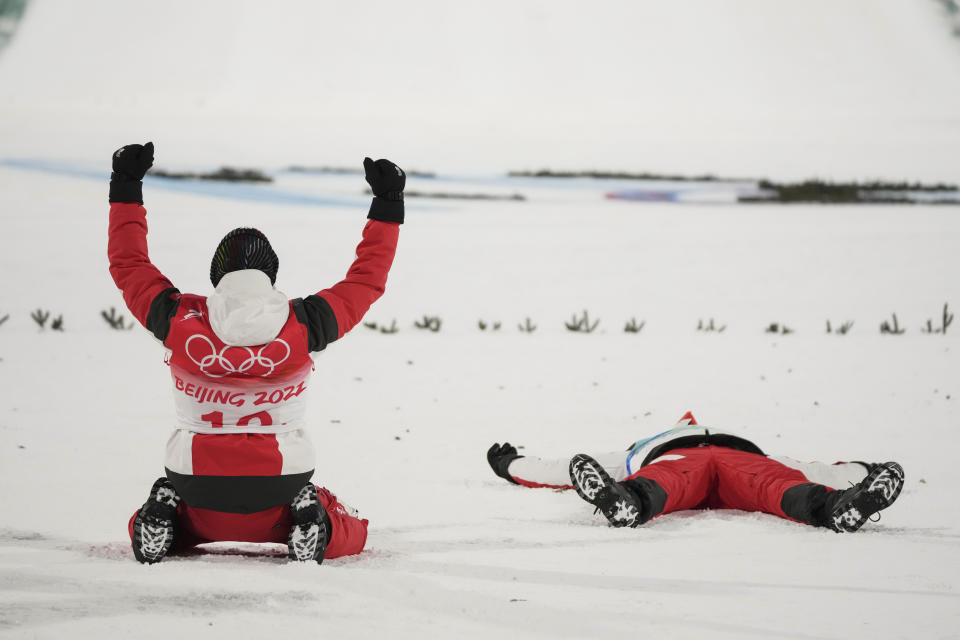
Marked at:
<point>401,422</point>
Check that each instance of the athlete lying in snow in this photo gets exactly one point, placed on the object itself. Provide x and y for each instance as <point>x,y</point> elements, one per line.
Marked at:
<point>693,467</point>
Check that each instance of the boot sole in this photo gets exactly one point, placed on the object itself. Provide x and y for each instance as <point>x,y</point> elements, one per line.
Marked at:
<point>582,460</point>
<point>308,534</point>
<point>622,517</point>
<point>881,488</point>
<point>152,539</point>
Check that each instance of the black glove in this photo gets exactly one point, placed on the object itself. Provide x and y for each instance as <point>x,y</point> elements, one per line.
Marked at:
<point>500,456</point>
<point>130,164</point>
<point>387,181</point>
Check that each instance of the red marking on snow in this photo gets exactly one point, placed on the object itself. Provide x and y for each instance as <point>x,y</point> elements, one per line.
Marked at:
<point>537,485</point>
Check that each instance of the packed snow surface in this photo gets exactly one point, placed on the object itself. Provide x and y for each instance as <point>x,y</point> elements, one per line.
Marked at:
<point>401,422</point>
<point>861,89</point>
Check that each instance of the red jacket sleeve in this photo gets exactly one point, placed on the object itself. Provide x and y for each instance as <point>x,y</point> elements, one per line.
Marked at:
<point>130,265</point>
<point>366,280</point>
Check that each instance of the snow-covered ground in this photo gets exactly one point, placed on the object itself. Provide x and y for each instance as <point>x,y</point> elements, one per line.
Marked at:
<point>402,422</point>
<point>743,88</point>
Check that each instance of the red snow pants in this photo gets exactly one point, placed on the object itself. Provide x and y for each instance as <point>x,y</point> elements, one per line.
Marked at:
<point>721,478</point>
<point>197,526</point>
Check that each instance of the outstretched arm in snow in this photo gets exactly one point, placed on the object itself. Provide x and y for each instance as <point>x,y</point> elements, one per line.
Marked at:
<point>149,295</point>
<point>332,312</point>
<point>540,472</point>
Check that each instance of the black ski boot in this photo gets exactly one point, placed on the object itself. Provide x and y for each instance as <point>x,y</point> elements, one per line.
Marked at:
<point>155,526</point>
<point>310,531</point>
<point>620,506</point>
<point>852,507</point>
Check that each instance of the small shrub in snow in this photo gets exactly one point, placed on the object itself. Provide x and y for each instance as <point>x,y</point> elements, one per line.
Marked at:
<point>223,174</point>
<point>709,326</point>
<point>431,323</point>
<point>892,328</point>
<point>842,329</point>
<point>945,321</point>
<point>4,318</point>
<point>373,326</point>
<point>40,317</point>
<point>483,326</point>
<point>582,324</point>
<point>775,327</point>
<point>57,323</point>
<point>115,320</point>
<point>391,329</point>
<point>527,326</point>
<point>633,326</point>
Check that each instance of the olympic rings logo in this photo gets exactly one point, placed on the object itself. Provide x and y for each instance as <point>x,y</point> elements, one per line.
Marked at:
<point>217,364</point>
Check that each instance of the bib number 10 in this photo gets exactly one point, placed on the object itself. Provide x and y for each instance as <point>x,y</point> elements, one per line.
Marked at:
<point>215,418</point>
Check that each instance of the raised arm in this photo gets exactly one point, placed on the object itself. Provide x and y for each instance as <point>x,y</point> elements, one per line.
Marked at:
<point>150,296</point>
<point>332,312</point>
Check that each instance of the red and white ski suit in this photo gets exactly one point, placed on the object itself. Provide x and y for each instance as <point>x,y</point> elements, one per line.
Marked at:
<point>240,450</point>
<point>694,467</point>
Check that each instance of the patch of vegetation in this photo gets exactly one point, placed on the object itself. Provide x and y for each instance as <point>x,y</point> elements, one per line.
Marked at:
<point>848,192</point>
<point>223,174</point>
<point>842,329</point>
<point>393,328</point>
<point>351,171</point>
<point>633,326</point>
<point>10,13</point>
<point>40,317</point>
<point>945,320</point>
<point>582,324</point>
<point>709,326</point>
<point>873,192</point>
<point>892,328</point>
<point>951,11</point>
<point>116,320</point>
<point>482,325</point>
<point>431,323</point>
<point>527,326</point>
<point>620,175</point>
<point>781,329</point>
